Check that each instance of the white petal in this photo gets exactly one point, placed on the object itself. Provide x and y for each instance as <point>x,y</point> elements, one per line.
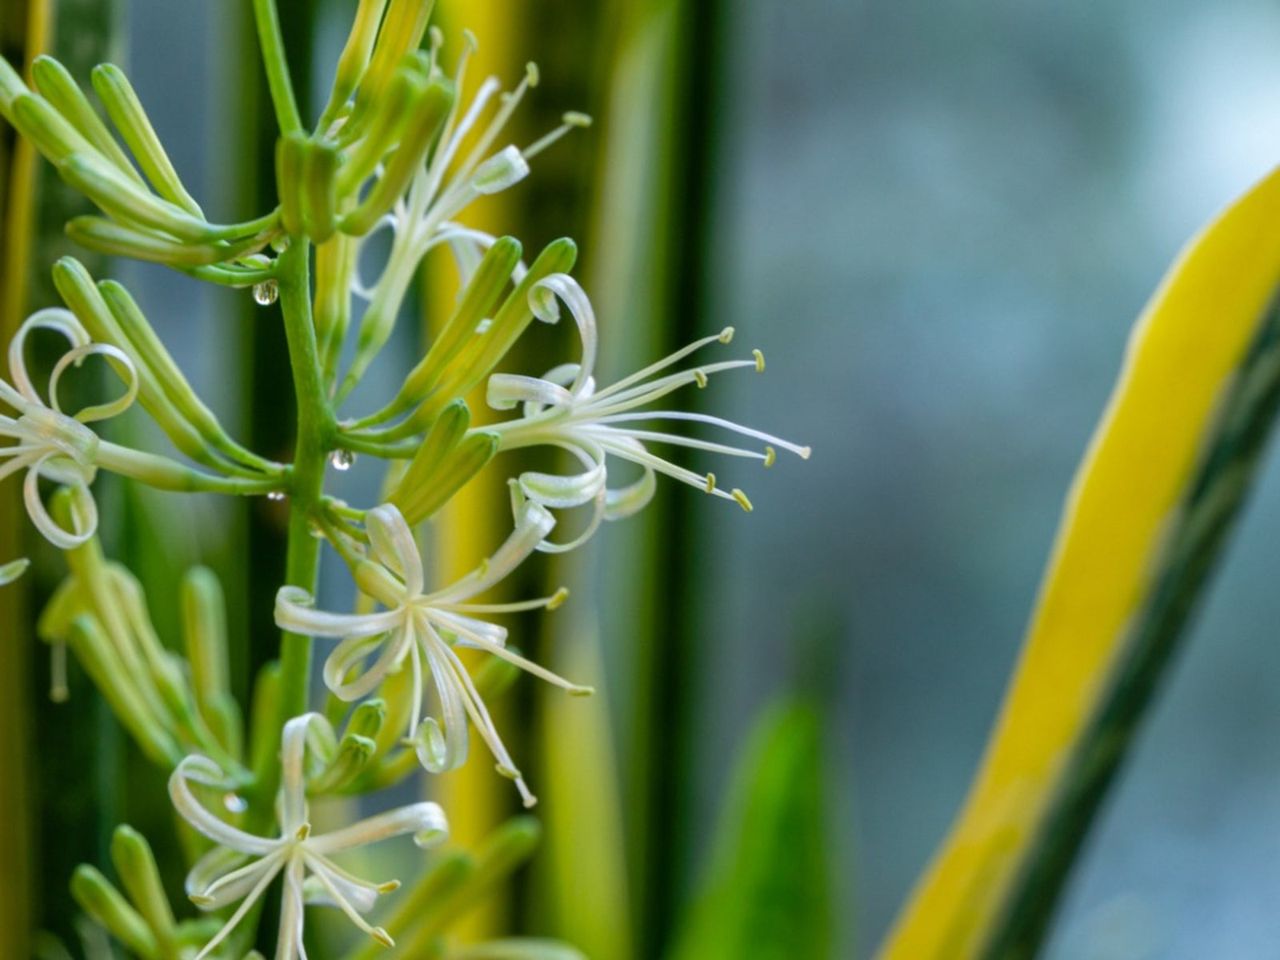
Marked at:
<point>293,783</point>
<point>51,318</point>
<point>198,769</point>
<point>506,390</point>
<point>533,523</point>
<point>354,650</point>
<point>223,876</point>
<point>631,499</point>
<point>443,744</point>
<point>84,512</point>
<point>504,169</point>
<point>426,821</point>
<point>245,906</point>
<point>575,298</point>
<point>99,411</point>
<point>558,492</point>
<point>394,546</point>
<point>295,612</point>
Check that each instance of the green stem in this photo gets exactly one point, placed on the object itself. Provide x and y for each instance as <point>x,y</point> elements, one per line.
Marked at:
<point>315,435</point>
<point>166,474</point>
<point>273,59</point>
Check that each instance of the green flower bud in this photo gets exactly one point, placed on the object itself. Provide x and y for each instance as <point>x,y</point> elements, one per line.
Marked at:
<point>401,33</point>
<point>429,110</point>
<point>118,240</point>
<point>56,85</point>
<point>136,865</point>
<point>103,902</point>
<point>126,112</point>
<point>446,460</point>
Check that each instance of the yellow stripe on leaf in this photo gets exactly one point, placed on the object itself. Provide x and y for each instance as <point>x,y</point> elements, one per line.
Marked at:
<point>1184,352</point>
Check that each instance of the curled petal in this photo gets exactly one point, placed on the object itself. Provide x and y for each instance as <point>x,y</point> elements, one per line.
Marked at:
<point>558,492</point>
<point>506,390</point>
<point>394,546</point>
<point>223,876</point>
<point>128,376</point>
<point>293,783</point>
<point>442,744</point>
<point>84,512</point>
<point>199,769</point>
<point>569,291</point>
<point>353,651</point>
<point>52,318</point>
<point>533,523</point>
<point>468,629</point>
<point>425,821</point>
<point>631,499</point>
<point>295,612</point>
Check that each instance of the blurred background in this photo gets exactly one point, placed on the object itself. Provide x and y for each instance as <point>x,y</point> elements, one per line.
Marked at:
<point>938,221</point>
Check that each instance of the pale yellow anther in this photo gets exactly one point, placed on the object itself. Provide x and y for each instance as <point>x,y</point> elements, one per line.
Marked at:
<point>711,483</point>
<point>470,40</point>
<point>700,379</point>
<point>558,598</point>
<point>770,456</point>
<point>804,452</point>
<point>391,886</point>
<point>741,497</point>
<point>759,355</point>
<point>581,691</point>
<point>484,567</point>
<point>726,335</point>
<point>382,937</point>
<point>531,74</point>
<point>575,118</point>
<point>200,900</point>
<point>511,773</point>
<point>302,832</point>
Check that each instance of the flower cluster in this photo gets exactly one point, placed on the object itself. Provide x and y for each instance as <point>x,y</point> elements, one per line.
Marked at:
<point>398,146</point>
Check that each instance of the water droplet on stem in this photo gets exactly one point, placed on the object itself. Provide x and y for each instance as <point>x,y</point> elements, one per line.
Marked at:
<point>266,293</point>
<point>342,460</point>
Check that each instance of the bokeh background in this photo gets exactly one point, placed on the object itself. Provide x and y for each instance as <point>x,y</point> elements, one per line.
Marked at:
<point>938,220</point>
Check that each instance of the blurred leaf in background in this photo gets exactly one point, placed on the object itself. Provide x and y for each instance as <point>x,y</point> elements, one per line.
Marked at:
<point>767,894</point>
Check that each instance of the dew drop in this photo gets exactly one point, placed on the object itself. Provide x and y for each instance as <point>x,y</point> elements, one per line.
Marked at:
<point>235,803</point>
<point>276,496</point>
<point>266,293</point>
<point>342,460</point>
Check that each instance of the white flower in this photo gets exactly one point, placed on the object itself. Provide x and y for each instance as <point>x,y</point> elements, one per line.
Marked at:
<point>423,629</point>
<point>563,408</point>
<point>452,179</point>
<point>49,443</point>
<point>243,865</point>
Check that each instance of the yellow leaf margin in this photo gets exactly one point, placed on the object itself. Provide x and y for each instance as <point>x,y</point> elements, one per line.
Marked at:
<point>1183,353</point>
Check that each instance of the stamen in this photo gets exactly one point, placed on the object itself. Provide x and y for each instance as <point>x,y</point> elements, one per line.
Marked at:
<point>726,335</point>
<point>711,483</point>
<point>700,379</point>
<point>569,122</point>
<point>303,832</point>
<point>558,598</point>
<point>741,497</point>
<point>391,886</point>
<point>759,355</point>
<point>770,456</point>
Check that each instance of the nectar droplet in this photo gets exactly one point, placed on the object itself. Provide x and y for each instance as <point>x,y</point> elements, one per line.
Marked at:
<point>342,460</point>
<point>266,293</point>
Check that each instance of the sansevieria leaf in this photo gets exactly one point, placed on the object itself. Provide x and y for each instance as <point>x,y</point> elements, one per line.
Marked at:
<point>1165,475</point>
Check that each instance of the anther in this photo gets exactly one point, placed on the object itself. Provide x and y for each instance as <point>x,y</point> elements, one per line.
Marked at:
<point>711,483</point>
<point>741,497</point>
<point>574,118</point>
<point>700,379</point>
<point>382,937</point>
<point>391,886</point>
<point>576,691</point>
<point>726,335</point>
<point>759,355</point>
<point>531,74</point>
<point>558,598</point>
<point>511,773</point>
<point>302,832</point>
<point>770,456</point>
